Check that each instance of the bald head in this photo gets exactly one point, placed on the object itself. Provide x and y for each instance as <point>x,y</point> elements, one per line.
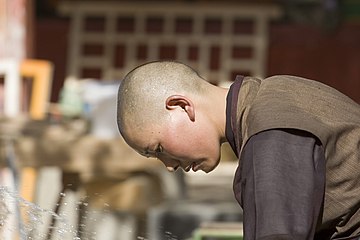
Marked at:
<point>143,92</point>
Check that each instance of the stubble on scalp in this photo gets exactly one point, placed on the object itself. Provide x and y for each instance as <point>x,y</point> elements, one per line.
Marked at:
<point>143,92</point>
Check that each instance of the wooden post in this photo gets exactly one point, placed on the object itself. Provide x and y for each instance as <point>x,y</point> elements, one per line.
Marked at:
<point>41,73</point>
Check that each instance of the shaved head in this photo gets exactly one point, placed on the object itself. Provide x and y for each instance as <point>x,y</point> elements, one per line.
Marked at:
<point>143,93</point>
<point>166,110</point>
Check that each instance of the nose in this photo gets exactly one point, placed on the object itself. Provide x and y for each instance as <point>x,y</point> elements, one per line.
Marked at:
<point>172,169</point>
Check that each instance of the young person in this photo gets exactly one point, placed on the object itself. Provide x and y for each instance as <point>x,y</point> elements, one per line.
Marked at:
<point>297,140</point>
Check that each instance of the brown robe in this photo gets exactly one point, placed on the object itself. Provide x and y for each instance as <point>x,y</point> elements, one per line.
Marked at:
<point>297,103</point>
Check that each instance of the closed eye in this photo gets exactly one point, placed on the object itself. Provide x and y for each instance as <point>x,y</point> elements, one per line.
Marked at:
<point>146,153</point>
<point>158,150</point>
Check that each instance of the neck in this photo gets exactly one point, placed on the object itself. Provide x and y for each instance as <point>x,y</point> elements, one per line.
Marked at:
<point>217,109</point>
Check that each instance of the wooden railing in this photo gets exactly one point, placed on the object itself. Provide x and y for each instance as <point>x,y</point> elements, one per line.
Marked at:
<point>108,39</point>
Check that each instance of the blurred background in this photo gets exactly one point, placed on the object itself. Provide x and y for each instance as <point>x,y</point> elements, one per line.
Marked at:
<point>60,66</point>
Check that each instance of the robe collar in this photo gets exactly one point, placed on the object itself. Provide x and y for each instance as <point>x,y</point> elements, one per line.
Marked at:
<point>231,111</point>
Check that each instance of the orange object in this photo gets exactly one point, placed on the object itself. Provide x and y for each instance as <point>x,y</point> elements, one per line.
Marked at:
<point>41,73</point>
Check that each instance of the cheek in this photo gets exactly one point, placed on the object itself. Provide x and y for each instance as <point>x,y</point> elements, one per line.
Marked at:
<point>191,141</point>
<point>181,140</point>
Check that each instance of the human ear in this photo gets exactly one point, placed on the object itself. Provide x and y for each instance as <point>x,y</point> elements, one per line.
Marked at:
<point>185,103</point>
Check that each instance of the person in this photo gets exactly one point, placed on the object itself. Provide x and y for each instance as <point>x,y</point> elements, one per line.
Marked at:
<point>297,140</point>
